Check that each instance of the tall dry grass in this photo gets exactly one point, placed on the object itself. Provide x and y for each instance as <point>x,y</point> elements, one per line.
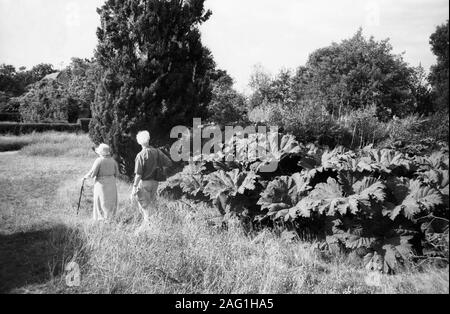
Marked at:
<point>182,253</point>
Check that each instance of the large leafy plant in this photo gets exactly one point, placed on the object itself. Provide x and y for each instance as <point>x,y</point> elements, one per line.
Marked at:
<point>388,207</point>
<point>228,190</point>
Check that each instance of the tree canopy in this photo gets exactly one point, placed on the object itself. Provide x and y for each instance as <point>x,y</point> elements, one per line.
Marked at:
<point>14,82</point>
<point>439,42</point>
<point>227,106</point>
<point>62,99</point>
<point>356,73</point>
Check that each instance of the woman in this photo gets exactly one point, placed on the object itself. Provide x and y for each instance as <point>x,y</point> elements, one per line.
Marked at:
<point>105,171</point>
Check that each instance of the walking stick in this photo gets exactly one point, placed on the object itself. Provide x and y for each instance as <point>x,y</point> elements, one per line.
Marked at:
<point>81,193</point>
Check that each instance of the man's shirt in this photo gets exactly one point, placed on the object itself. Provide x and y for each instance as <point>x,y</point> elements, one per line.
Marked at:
<point>148,160</point>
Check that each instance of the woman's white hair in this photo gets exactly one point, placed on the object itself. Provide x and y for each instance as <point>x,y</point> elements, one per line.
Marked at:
<point>143,138</point>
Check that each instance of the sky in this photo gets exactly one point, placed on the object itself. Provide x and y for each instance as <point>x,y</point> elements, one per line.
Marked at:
<point>276,34</point>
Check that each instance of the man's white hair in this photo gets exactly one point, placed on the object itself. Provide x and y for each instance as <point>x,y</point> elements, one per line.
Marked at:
<point>143,138</point>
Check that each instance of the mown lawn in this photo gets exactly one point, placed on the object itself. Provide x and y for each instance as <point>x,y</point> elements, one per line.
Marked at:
<point>181,253</point>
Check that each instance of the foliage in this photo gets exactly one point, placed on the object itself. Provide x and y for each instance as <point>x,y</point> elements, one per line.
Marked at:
<point>9,117</point>
<point>263,113</point>
<point>417,134</point>
<point>84,76</point>
<point>84,124</point>
<point>356,73</point>
<point>439,42</point>
<point>14,83</point>
<point>155,72</point>
<point>378,203</point>
<point>364,126</point>
<point>25,128</point>
<point>190,181</point>
<point>65,98</point>
<point>227,106</point>
<point>310,122</point>
<point>422,92</point>
<point>282,194</point>
<point>228,190</point>
<point>267,89</point>
<point>355,93</point>
<point>46,101</point>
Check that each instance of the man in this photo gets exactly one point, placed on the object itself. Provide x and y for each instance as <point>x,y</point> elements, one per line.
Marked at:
<point>145,182</point>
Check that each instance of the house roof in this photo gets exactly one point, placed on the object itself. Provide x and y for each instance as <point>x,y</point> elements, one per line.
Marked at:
<point>51,76</point>
<point>60,77</point>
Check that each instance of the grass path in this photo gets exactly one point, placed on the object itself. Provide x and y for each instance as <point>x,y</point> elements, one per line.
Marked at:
<point>31,219</point>
<point>29,186</point>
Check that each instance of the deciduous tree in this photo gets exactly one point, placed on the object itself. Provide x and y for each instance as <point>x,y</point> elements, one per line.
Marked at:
<point>357,73</point>
<point>439,42</point>
<point>227,106</point>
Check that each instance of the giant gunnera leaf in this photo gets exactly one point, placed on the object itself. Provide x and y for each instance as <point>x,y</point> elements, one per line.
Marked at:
<point>437,160</point>
<point>282,194</point>
<point>384,161</point>
<point>419,198</point>
<point>275,150</point>
<point>436,178</point>
<point>189,181</point>
<point>348,197</point>
<point>232,182</point>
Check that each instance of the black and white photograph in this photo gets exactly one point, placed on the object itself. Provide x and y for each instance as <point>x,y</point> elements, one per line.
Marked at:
<point>221,154</point>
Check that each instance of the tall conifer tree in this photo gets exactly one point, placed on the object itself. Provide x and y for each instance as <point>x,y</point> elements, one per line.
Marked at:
<point>155,72</point>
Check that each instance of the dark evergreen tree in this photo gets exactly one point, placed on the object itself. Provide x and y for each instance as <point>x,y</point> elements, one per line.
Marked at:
<point>155,72</point>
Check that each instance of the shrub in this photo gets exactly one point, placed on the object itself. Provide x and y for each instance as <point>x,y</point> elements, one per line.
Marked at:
<point>309,122</point>
<point>9,116</point>
<point>84,124</point>
<point>227,106</point>
<point>364,126</point>
<point>11,105</point>
<point>263,113</point>
<point>46,101</point>
<point>437,126</point>
<point>417,134</point>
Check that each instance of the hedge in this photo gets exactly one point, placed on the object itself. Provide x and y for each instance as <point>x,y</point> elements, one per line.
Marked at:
<point>24,128</point>
<point>84,124</point>
<point>9,116</point>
